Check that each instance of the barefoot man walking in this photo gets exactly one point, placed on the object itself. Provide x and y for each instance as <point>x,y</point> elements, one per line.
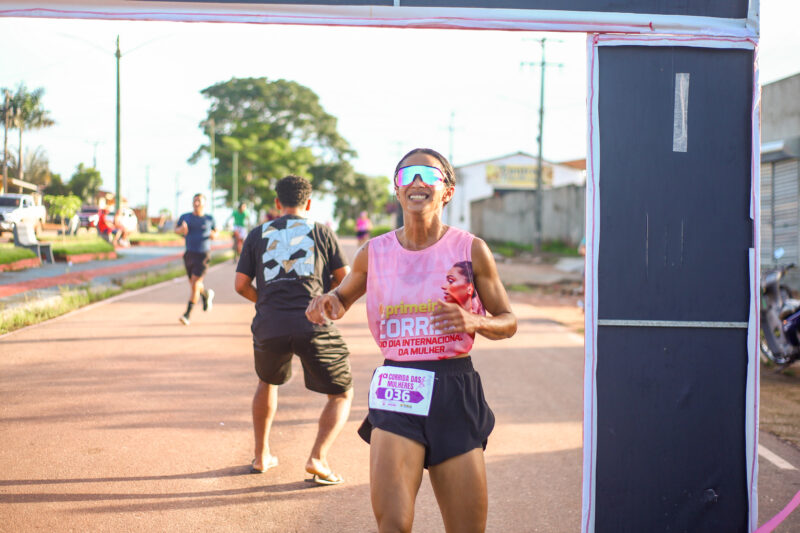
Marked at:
<point>293,260</point>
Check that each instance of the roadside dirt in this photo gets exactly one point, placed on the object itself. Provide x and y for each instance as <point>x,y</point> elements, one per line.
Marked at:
<point>779,401</point>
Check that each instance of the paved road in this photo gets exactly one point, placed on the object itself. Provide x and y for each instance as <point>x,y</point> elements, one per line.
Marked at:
<point>118,418</point>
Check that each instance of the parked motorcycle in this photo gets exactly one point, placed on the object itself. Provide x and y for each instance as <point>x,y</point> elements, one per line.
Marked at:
<point>780,317</point>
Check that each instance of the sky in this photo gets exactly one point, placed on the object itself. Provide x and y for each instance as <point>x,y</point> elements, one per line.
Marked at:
<point>472,95</point>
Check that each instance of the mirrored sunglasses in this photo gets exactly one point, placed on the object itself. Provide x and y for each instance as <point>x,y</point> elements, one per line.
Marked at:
<point>430,176</point>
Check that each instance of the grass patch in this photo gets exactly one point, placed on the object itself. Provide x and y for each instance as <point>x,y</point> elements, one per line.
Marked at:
<point>509,249</point>
<point>519,287</point>
<point>155,237</point>
<point>513,249</point>
<point>97,245</point>
<point>78,244</point>
<point>12,254</point>
<point>71,299</point>
<point>559,248</point>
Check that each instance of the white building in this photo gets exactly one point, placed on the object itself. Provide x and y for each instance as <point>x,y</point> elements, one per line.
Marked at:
<point>513,172</point>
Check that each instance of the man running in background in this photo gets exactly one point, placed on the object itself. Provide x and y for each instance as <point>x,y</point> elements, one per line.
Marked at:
<point>293,260</point>
<point>198,229</point>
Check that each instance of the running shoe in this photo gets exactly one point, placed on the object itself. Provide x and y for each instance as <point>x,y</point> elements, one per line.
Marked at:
<point>184,320</point>
<point>208,300</point>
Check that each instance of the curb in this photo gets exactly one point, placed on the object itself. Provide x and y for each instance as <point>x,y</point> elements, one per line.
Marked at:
<point>85,258</point>
<point>21,264</point>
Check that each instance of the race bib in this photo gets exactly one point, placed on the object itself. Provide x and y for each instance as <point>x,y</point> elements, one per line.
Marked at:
<point>402,390</point>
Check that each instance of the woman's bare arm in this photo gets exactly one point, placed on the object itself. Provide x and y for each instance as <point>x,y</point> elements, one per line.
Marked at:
<point>333,304</point>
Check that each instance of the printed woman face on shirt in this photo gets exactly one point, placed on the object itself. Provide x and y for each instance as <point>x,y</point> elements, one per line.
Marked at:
<point>457,288</point>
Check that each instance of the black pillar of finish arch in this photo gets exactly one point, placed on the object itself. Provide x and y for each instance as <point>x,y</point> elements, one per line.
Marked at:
<point>675,233</point>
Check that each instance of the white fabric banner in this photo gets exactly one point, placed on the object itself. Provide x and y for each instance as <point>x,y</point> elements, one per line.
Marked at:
<point>383,16</point>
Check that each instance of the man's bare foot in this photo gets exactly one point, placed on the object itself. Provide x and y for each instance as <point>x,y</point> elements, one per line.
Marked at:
<point>321,473</point>
<point>259,467</point>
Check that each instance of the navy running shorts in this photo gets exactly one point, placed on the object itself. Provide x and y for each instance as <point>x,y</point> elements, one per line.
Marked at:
<point>459,419</point>
<point>196,263</point>
<point>323,354</point>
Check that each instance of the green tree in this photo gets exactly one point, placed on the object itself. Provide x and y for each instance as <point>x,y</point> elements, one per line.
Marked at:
<point>63,207</point>
<point>56,187</point>
<point>278,128</point>
<point>30,114</point>
<point>85,182</point>
<point>358,192</point>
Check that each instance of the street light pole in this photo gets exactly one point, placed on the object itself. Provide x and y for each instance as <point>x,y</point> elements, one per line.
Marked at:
<point>5,142</point>
<point>212,134</point>
<point>117,193</point>
<point>235,179</point>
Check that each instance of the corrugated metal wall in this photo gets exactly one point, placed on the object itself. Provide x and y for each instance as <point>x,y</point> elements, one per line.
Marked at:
<point>780,212</point>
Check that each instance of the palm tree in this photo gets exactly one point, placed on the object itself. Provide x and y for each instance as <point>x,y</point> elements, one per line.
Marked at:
<point>31,115</point>
<point>37,166</point>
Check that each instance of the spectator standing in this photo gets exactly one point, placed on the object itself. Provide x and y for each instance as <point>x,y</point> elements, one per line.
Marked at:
<point>198,229</point>
<point>293,260</point>
<point>363,227</point>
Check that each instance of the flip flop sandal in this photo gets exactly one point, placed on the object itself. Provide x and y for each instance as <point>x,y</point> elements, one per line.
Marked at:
<point>273,462</point>
<point>330,479</point>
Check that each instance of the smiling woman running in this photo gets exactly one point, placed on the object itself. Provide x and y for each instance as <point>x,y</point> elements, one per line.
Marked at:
<point>427,408</point>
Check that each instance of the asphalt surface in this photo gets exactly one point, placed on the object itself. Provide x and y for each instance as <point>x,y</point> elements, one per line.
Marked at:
<point>118,418</point>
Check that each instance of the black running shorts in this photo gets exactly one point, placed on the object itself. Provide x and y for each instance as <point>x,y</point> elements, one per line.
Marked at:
<point>459,419</point>
<point>323,354</point>
<point>196,263</point>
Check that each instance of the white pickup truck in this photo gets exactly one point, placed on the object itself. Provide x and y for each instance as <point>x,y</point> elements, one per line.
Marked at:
<point>16,208</point>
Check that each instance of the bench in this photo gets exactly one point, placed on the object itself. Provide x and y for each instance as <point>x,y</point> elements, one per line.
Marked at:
<point>25,237</point>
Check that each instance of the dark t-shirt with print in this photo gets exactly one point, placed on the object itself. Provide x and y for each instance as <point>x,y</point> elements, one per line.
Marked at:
<point>291,259</point>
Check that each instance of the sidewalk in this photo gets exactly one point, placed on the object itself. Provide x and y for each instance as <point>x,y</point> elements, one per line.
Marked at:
<point>42,283</point>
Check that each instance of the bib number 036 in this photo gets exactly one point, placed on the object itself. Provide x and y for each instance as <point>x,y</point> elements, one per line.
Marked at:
<point>402,390</point>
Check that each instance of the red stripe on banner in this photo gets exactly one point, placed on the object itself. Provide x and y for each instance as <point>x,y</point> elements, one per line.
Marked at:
<point>780,517</point>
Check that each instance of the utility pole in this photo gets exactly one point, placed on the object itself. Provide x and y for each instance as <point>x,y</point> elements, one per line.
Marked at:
<point>212,134</point>
<point>235,172</point>
<point>94,151</point>
<point>177,195</point>
<point>539,185</point>
<point>118,191</point>
<point>147,198</point>
<point>5,142</point>
<point>452,130</point>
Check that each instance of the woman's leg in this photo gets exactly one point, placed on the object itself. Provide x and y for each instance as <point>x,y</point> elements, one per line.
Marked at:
<point>460,487</point>
<point>395,473</point>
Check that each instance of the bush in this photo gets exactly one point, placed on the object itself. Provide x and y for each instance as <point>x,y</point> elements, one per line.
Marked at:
<point>380,230</point>
<point>347,227</point>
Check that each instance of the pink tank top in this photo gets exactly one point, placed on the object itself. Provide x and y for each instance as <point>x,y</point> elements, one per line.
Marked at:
<point>404,286</point>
